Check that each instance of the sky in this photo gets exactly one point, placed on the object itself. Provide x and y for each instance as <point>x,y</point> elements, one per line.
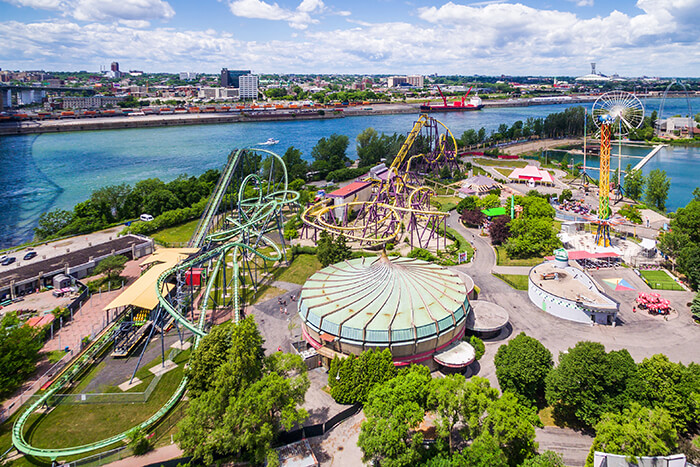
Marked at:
<point>538,37</point>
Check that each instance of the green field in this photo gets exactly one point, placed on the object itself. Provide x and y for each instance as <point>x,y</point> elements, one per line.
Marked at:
<point>445,203</point>
<point>504,172</point>
<point>502,259</point>
<point>660,280</point>
<point>500,162</point>
<point>178,234</point>
<point>517,281</point>
<point>301,269</point>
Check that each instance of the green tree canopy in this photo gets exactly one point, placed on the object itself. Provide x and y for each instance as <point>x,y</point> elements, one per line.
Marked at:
<point>634,182</point>
<point>241,399</point>
<point>329,154</point>
<point>297,168</point>
<point>589,382</point>
<point>637,431</point>
<point>351,379</point>
<point>672,386</point>
<point>513,427</point>
<point>522,366</point>
<point>50,223</point>
<point>332,250</point>
<point>658,185</point>
<point>393,410</point>
<point>19,352</point>
<point>111,266</point>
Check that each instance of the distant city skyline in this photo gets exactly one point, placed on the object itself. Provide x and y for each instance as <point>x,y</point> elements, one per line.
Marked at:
<point>538,37</point>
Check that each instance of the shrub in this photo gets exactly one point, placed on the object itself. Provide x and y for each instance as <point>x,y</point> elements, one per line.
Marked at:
<point>140,445</point>
<point>478,345</point>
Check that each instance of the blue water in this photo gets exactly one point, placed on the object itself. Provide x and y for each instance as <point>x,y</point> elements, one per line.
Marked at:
<point>40,173</point>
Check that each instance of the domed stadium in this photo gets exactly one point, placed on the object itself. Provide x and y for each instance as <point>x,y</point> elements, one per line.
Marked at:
<point>415,308</point>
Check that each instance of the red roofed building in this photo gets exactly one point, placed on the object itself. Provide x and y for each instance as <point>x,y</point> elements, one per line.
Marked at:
<point>354,192</point>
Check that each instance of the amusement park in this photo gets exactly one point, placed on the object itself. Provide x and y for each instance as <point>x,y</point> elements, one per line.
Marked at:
<point>435,258</point>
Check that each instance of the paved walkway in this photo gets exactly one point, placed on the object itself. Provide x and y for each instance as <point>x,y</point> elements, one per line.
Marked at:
<point>155,457</point>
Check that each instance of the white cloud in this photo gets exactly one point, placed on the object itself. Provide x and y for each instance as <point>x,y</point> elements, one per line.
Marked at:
<point>463,39</point>
<point>258,9</point>
<point>584,3</point>
<point>105,10</point>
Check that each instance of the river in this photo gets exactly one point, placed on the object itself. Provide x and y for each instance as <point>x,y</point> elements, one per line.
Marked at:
<point>57,170</point>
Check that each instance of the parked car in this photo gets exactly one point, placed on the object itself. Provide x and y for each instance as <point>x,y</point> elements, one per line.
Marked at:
<point>30,255</point>
<point>9,260</point>
<point>146,217</point>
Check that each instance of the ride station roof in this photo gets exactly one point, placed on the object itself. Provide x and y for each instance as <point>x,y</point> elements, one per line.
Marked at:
<point>349,190</point>
<point>382,301</point>
<point>142,293</point>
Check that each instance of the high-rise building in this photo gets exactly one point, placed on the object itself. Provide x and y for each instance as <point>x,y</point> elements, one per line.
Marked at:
<point>115,66</point>
<point>394,81</point>
<point>188,75</point>
<point>229,78</point>
<point>415,80</point>
<point>248,87</point>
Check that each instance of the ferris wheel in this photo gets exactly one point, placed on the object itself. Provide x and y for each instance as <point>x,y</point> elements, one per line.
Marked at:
<point>620,109</point>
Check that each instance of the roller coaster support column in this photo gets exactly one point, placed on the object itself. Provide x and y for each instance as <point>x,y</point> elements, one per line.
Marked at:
<point>603,234</point>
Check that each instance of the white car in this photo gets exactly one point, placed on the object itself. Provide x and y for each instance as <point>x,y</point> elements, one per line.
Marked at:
<point>146,217</point>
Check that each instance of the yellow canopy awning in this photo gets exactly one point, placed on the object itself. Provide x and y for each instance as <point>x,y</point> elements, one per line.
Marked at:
<point>142,293</point>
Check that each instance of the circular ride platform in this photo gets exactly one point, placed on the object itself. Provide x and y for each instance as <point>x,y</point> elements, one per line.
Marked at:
<point>486,319</point>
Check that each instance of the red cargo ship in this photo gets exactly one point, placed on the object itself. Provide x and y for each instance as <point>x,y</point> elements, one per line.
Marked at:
<point>456,106</point>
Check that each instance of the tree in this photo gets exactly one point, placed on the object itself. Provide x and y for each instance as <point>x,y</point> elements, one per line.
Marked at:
<point>672,386</point>
<point>473,217</point>
<point>484,451</point>
<point>330,251</point>
<point>329,154</point>
<point>111,266</point>
<point>513,427</point>
<point>468,203</point>
<point>695,306</point>
<point>634,182</point>
<point>489,201</point>
<point>370,149</point>
<point>522,366</point>
<point>531,237</point>
<point>589,382</point>
<point>19,352</point>
<point>239,345</point>
<point>479,347</point>
<point>50,223</point>
<point>637,431</point>
<point>689,264</point>
<point>500,230</point>
<point>241,401</point>
<point>297,168</point>
<point>658,185</point>
<point>566,195</point>
<point>393,410</point>
<point>546,459</point>
<point>111,201</point>
<point>351,379</point>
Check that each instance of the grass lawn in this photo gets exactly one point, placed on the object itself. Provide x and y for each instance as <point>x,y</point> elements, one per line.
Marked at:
<point>54,356</point>
<point>301,269</point>
<point>476,170</point>
<point>75,424</point>
<point>445,203</point>
<point>500,162</point>
<point>504,172</point>
<point>517,281</point>
<point>464,245</point>
<point>178,234</point>
<point>546,416</point>
<point>502,259</point>
<point>660,280</point>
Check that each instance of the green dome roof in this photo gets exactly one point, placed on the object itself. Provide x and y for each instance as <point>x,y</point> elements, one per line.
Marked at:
<point>381,301</point>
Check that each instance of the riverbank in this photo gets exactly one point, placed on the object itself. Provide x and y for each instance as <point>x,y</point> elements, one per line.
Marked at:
<point>154,121</point>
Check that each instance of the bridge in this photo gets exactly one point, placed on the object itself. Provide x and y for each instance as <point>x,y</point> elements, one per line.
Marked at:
<point>29,93</point>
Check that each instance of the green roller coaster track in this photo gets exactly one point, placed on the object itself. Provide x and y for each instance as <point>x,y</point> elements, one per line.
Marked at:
<point>254,219</point>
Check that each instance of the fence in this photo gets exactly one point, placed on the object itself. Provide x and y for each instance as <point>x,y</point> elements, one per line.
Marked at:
<point>287,437</point>
<point>109,397</point>
<point>123,452</point>
<point>28,394</point>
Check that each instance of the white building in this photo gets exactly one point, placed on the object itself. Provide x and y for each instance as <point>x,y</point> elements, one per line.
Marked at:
<point>217,93</point>
<point>188,75</point>
<point>415,80</point>
<point>248,87</point>
<point>395,81</point>
<point>90,102</point>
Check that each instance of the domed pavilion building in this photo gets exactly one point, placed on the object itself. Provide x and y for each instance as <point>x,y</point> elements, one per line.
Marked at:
<point>416,309</point>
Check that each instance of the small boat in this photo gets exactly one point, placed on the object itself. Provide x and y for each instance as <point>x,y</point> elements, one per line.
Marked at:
<point>269,142</point>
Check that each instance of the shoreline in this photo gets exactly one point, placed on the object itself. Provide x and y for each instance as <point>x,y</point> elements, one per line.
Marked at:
<point>156,121</point>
